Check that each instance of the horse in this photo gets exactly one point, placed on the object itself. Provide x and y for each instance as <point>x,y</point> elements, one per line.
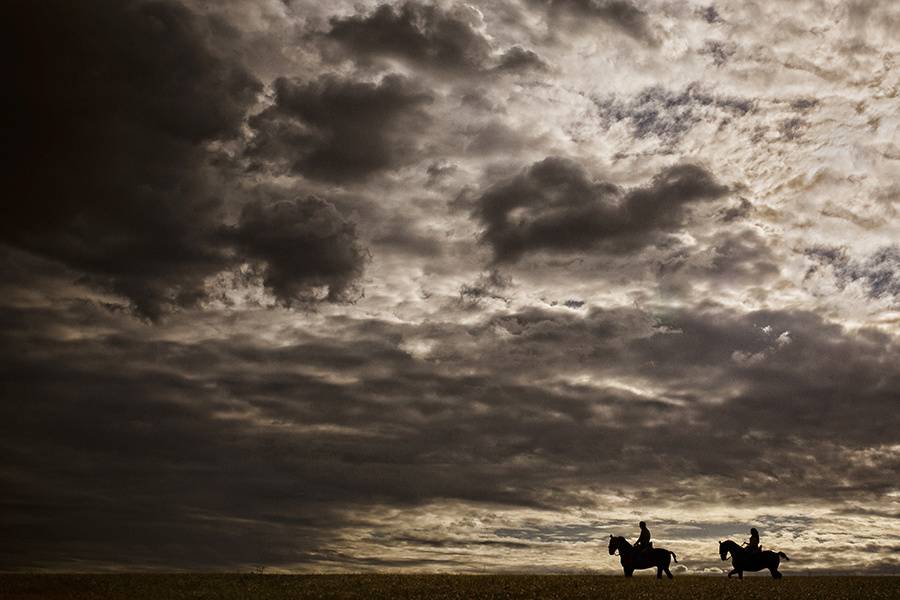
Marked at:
<point>632,559</point>
<point>744,560</point>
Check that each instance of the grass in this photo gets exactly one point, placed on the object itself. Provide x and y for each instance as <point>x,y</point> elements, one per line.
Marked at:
<point>434,587</point>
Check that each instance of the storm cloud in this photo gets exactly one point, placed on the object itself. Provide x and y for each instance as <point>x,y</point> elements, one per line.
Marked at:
<point>448,286</point>
<point>109,172</point>
<point>554,205</point>
<point>427,37</point>
<point>110,142</point>
<point>288,439</point>
<point>301,245</point>
<point>314,127</point>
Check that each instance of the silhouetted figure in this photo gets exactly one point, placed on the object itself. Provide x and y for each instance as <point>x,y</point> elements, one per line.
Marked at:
<point>632,559</point>
<point>752,544</point>
<point>742,559</point>
<point>643,542</point>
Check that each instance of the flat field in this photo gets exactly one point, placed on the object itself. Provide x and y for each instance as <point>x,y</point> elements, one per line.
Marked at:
<point>433,587</point>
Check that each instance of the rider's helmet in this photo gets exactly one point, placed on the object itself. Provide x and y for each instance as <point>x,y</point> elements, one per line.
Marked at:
<point>754,531</point>
<point>642,524</point>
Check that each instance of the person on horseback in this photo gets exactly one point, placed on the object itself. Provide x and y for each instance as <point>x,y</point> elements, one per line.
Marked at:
<point>752,544</point>
<point>643,542</point>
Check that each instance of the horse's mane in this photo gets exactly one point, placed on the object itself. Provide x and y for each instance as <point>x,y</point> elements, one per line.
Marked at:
<point>622,540</point>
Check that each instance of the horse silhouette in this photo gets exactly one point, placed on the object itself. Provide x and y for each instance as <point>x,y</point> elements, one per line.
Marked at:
<point>632,559</point>
<point>743,560</point>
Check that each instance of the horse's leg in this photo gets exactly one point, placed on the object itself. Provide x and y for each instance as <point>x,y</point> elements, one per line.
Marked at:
<point>740,575</point>
<point>627,566</point>
<point>733,571</point>
<point>659,572</point>
<point>668,573</point>
<point>773,567</point>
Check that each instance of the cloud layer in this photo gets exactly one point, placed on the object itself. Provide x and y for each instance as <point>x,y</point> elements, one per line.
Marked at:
<point>448,286</point>
<point>554,205</point>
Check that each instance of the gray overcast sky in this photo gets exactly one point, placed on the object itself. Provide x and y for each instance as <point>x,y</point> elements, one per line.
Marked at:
<point>449,286</point>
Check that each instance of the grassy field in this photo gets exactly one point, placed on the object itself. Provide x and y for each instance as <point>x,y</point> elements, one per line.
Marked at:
<point>433,587</point>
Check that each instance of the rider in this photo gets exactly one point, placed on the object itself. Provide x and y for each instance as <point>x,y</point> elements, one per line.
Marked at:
<point>753,543</point>
<point>643,542</point>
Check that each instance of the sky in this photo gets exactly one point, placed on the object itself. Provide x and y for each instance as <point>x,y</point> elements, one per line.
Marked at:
<point>449,286</point>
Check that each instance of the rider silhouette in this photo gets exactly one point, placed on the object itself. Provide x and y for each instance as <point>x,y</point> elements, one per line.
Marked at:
<point>643,542</point>
<point>753,543</point>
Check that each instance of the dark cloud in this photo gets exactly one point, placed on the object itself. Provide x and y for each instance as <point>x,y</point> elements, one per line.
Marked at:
<point>728,257</point>
<point>879,273</point>
<point>232,452</point>
<point>622,14</point>
<point>554,205</point>
<point>105,144</point>
<point>305,250</point>
<point>794,361</point>
<point>425,36</point>
<point>518,58</point>
<point>315,128</point>
<point>111,168</point>
<point>670,115</point>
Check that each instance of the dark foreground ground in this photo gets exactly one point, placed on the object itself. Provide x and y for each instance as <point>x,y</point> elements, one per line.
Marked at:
<point>433,587</point>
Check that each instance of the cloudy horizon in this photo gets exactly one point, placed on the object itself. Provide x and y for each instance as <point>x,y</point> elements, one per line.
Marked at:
<point>449,286</point>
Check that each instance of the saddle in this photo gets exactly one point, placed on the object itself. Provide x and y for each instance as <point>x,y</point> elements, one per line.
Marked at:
<point>645,549</point>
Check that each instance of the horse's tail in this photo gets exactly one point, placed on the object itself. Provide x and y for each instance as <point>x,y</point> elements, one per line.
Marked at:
<point>783,555</point>
<point>675,558</point>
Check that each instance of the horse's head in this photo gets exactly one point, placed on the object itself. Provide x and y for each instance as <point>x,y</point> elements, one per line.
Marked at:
<point>724,548</point>
<point>613,544</point>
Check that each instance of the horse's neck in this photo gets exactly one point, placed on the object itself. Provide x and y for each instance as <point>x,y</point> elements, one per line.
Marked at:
<point>733,546</point>
<point>623,543</point>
